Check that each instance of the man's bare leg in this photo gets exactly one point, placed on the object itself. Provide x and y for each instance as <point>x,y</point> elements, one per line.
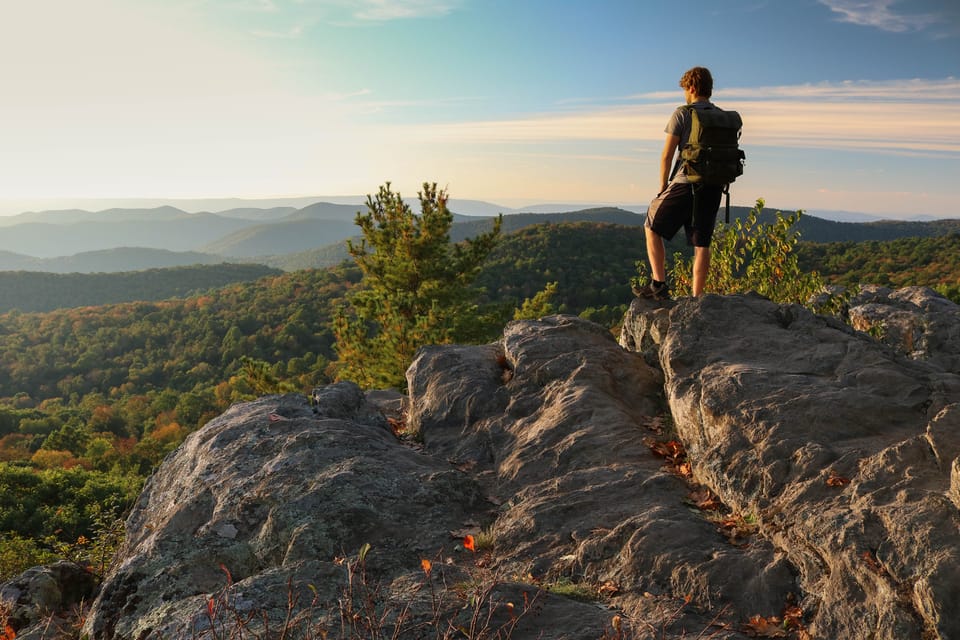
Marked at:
<point>701,267</point>
<point>657,254</point>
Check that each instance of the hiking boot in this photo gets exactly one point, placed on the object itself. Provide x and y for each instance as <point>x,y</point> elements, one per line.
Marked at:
<point>653,291</point>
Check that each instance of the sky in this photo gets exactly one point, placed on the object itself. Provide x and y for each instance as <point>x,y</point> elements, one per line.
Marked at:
<point>847,104</point>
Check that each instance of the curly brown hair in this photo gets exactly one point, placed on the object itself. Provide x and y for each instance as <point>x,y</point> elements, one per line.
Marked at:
<point>699,80</point>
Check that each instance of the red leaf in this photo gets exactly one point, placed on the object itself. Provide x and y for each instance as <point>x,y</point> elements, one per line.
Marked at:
<point>468,543</point>
<point>836,480</point>
<point>793,617</point>
<point>871,560</point>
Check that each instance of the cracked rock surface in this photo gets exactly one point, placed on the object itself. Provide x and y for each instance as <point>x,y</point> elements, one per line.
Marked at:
<point>803,471</point>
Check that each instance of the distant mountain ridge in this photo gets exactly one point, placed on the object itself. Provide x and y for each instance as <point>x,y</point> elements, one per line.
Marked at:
<point>283,237</point>
<point>82,241</point>
<point>463,227</point>
<point>38,292</point>
<point>50,240</point>
<point>106,260</point>
<point>70,216</point>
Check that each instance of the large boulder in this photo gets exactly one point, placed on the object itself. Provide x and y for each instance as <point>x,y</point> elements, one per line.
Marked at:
<point>265,503</point>
<point>844,451</point>
<point>917,321</point>
<point>553,421</point>
<point>34,602</point>
<point>281,520</point>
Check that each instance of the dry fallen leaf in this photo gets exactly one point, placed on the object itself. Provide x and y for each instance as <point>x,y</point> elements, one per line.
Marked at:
<point>669,449</point>
<point>704,499</point>
<point>760,627</point>
<point>793,616</point>
<point>871,561</point>
<point>608,588</point>
<point>616,623</point>
<point>836,480</point>
<point>673,452</point>
<point>397,426</point>
<point>735,526</point>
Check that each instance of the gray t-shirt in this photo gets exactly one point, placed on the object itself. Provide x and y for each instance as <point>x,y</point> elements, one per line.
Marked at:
<point>679,125</point>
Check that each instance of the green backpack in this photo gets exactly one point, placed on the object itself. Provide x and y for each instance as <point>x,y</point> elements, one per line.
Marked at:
<point>712,154</point>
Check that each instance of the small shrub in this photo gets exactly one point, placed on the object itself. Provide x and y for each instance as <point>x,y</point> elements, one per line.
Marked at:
<point>575,591</point>
<point>749,255</point>
<point>365,609</point>
<point>17,554</point>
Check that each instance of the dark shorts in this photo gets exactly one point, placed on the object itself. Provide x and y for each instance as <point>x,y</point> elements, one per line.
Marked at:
<point>673,209</point>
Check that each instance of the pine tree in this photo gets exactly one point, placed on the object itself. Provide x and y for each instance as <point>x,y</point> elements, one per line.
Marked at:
<point>538,306</point>
<point>416,287</point>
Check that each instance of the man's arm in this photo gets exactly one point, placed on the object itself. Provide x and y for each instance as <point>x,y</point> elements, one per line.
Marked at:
<point>666,159</point>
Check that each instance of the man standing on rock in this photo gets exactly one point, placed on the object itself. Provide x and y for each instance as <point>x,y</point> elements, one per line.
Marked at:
<point>675,205</point>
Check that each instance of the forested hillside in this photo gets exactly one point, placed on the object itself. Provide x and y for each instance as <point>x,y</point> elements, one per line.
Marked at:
<point>813,229</point>
<point>463,227</point>
<point>929,261</point>
<point>592,264</point>
<point>92,398</point>
<point>30,291</point>
<point>171,347</point>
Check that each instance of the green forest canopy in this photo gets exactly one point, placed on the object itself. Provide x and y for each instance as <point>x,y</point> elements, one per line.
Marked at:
<point>92,398</point>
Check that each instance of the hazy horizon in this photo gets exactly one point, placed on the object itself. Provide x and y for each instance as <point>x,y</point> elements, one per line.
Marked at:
<point>458,205</point>
<point>850,105</point>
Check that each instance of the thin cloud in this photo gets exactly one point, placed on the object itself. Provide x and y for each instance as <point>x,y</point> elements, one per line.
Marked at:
<point>383,10</point>
<point>823,116</point>
<point>920,90</point>
<point>253,6</point>
<point>342,11</point>
<point>292,33</point>
<point>340,97</point>
<point>880,14</point>
<point>898,90</point>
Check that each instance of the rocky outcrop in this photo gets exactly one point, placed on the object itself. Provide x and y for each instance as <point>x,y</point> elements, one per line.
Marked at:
<point>916,321</point>
<point>553,420</point>
<point>33,602</point>
<point>844,451</point>
<point>740,469</point>
<point>264,505</point>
